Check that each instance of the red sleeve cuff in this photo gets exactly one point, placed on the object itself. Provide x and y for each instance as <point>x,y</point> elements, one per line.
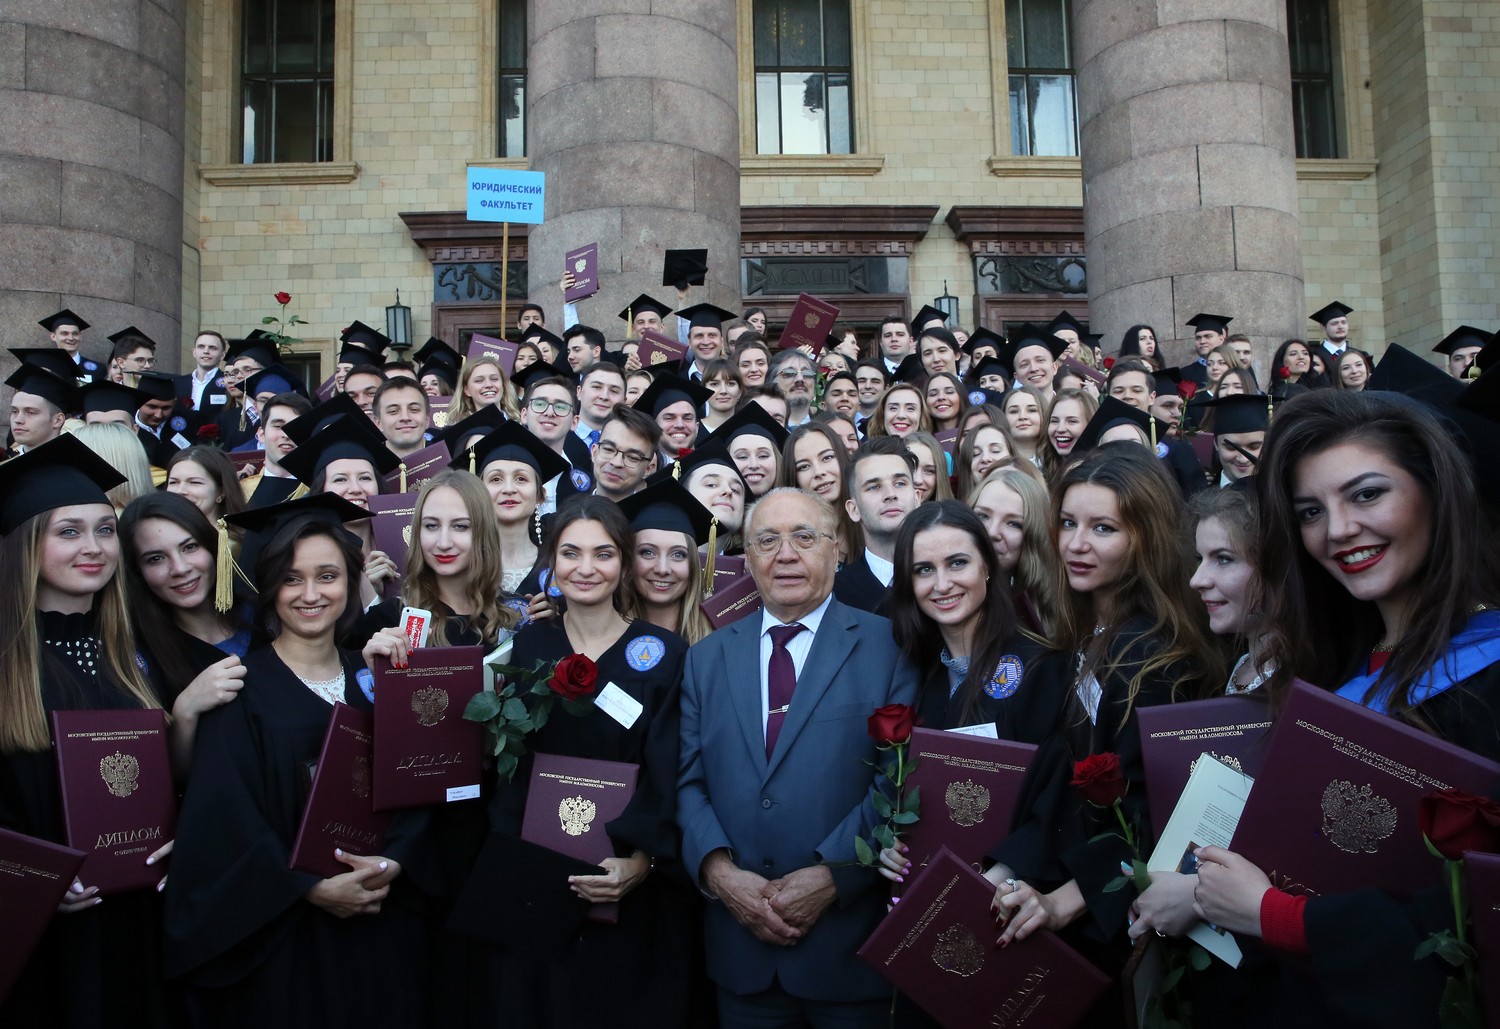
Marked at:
<point>1282,924</point>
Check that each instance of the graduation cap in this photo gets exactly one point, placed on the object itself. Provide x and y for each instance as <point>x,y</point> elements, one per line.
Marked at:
<point>1337,309</point>
<point>265,522</point>
<point>1463,336</point>
<point>533,333</point>
<point>926,314</point>
<point>752,419</point>
<point>60,473</point>
<point>643,303</point>
<point>667,505</point>
<point>274,378</point>
<point>435,351</point>
<point>989,366</point>
<point>340,405</point>
<point>1030,335</point>
<point>1241,412</point>
<point>1401,371</point>
<point>666,390</point>
<point>351,353</point>
<point>1065,320</point>
<point>447,373</point>
<point>258,349</point>
<point>107,397</point>
<point>158,385</point>
<point>43,382</point>
<point>705,316</point>
<point>684,268</point>
<point>982,337</point>
<point>343,438</point>
<point>54,360</point>
<point>512,442</point>
<point>714,452</point>
<point>1166,381</point>
<point>1210,322</point>
<point>131,332</point>
<point>910,369</point>
<point>1112,412</point>
<point>461,434</point>
<point>1483,360</point>
<point>64,317</point>
<point>362,335</point>
<point>524,377</point>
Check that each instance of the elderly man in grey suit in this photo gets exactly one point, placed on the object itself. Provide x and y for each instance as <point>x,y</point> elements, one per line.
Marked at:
<point>774,786</point>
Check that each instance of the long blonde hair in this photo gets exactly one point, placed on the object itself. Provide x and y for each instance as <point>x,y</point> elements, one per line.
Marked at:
<point>481,586</point>
<point>121,447</point>
<point>23,719</point>
<point>692,623</point>
<point>463,404</point>
<point>1038,571</point>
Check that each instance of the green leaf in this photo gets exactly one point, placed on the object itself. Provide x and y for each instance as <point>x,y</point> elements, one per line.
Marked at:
<point>914,800</point>
<point>863,852</point>
<point>1106,836</point>
<point>885,836</point>
<point>1118,883</point>
<point>505,766</point>
<point>268,320</point>
<point>1456,1009</point>
<point>513,710</point>
<point>482,707</point>
<point>882,804</point>
<point>904,818</point>
<point>1199,958</point>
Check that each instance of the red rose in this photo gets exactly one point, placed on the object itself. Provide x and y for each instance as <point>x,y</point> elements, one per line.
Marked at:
<point>1283,372</point>
<point>891,724</point>
<point>283,298</point>
<point>574,677</point>
<point>1109,362</point>
<point>1187,389</point>
<point>683,452</point>
<point>1099,779</point>
<point>1454,821</point>
<point>209,431</point>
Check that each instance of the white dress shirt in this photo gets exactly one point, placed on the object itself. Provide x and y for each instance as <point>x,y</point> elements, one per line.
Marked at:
<point>798,647</point>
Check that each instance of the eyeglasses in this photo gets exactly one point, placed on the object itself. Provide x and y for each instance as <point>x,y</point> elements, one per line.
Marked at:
<point>540,405</point>
<point>768,544</point>
<point>633,458</point>
<point>790,373</point>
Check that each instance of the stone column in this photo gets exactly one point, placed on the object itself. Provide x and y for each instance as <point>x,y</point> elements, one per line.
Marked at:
<point>634,116</point>
<point>91,152</point>
<point>1189,167</point>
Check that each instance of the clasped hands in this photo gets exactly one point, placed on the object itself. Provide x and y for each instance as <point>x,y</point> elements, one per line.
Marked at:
<point>780,911</point>
<point>358,891</point>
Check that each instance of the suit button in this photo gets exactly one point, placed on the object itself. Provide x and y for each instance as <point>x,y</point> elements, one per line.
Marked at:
<point>766,802</point>
<point>767,863</point>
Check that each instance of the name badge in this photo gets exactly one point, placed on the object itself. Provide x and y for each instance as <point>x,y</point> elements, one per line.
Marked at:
<point>985,729</point>
<point>619,705</point>
<point>217,398</point>
<point>180,441</point>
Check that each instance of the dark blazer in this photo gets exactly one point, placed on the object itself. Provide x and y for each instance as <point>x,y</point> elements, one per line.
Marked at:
<point>857,586</point>
<point>1195,373</point>
<point>803,805</point>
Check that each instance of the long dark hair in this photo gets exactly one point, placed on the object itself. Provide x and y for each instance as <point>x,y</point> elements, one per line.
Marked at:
<point>219,468</point>
<point>1130,345</point>
<point>156,626</point>
<point>1317,630</point>
<point>275,561</point>
<point>917,635</point>
<point>608,514</point>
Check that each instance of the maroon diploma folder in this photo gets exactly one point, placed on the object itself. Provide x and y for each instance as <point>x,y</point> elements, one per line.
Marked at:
<point>731,601</point>
<point>420,467</point>
<point>584,264</point>
<point>969,789</point>
<point>657,349</point>
<point>568,804</point>
<point>809,324</point>
<point>119,801</point>
<point>340,810</point>
<point>34,875</point>
<point>1334,809</point>
<point>325,388</point>
<point>425,752</point>
<point>1483,871</point>
<point>1174,736</point>
<point>392,533</point>
<point>727,569</point>
<point>438,409</point>
<point>502,350</point>
<point>938,947</point>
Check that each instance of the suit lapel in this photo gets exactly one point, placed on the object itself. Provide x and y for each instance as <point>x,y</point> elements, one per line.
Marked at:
<point>742,651</point>
<point>831,648</point>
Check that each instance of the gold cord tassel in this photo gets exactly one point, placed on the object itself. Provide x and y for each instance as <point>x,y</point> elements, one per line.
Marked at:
<point>677,469</point>
<point>403,476</point>
<point>708,564</point>
<point>1270,408</point>
<point>630,323</point>
<point>223,571</point>
<point>244,410</point>
<point>1152,419</point>
<point>471,462</point>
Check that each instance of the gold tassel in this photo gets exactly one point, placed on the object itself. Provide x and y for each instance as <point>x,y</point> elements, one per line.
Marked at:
<point>630,323</point>
<point>243,411</point>
<point>471,462</point>
<point>403,476</point>
<point>677,469</point>
<point>298,493</point>
<point>224,571</point>
<point>708,564</point>
<point>1152,419</point>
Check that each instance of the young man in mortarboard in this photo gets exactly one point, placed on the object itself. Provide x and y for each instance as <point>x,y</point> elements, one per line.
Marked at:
<point>1239,425</point>
<point>41,402</point>
<point>1335,321</point>
<point>161,432</point>
<point>1131,382</point>
<point>705,337</point>
<point>65,330</point>
<point>1209,331</point>
<point>1461,347</point>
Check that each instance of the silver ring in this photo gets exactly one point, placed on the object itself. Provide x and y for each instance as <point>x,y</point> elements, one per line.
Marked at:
<point>1159,932</point>
<point>1011,883</point>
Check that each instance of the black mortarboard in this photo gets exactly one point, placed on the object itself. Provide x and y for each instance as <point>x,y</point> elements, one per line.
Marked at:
<point>435,351</point>
<point>683,268</point>
<point>274,378</point>
<point>259,350</point>
<point>1337,309</point>
<point>103,397</point>
<point>1401,371</point>
<point>1483,360</point>
<point>340,405</point>
<point>714,452</point>
<point>328,508</point>
<point>523,377</point>
<point>63,317</point>
<point>537,332</point>
<point>926,314</point>
<point>1112,412</point>
<point>1065,320</point>
<point>705,316</point>
<point>666,390</point>
<point>343,438</point>
<point>442,371</point>
<point>754,419</point>
<point>1240,412</point>
<point>158,385</point>
<point>59,473</point>
<point>363,335</point>
<point>982,337</point>
<point>56,390</point>
<point>666,505</point>
<point>463,432</point>
<point>989,366</point>
<point>1463,336</point>
<point>51,358</point>
<point>1166,382</point>
<point>1210,322</point>
<point>131,332</point>
<point>910,369</point>
<point>513,442</point>
<point>644,303</point>
<point>351,353</point>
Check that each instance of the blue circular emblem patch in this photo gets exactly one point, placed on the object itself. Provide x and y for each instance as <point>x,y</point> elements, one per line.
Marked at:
<point>366,680</point>
<point>977,397</point>
<point>219,382</point>
<point>644,653</point>
<point>544,580</point>
<point>92,366</point>
<point>179,424</point>
<point>1007,678</point>
<point>581,481</point>
<point>1161,451</point>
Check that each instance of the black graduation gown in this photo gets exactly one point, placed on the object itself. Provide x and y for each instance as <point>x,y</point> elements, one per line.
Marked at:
<point>250,950</point>
<point>102,966</point>
<point>1032,713</point>
<point>636,972</point>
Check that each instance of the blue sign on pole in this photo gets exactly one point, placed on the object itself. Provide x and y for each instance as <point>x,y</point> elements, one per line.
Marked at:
<point>503,195</point>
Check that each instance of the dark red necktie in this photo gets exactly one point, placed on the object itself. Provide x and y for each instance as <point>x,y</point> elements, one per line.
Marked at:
<point>781,680</point>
